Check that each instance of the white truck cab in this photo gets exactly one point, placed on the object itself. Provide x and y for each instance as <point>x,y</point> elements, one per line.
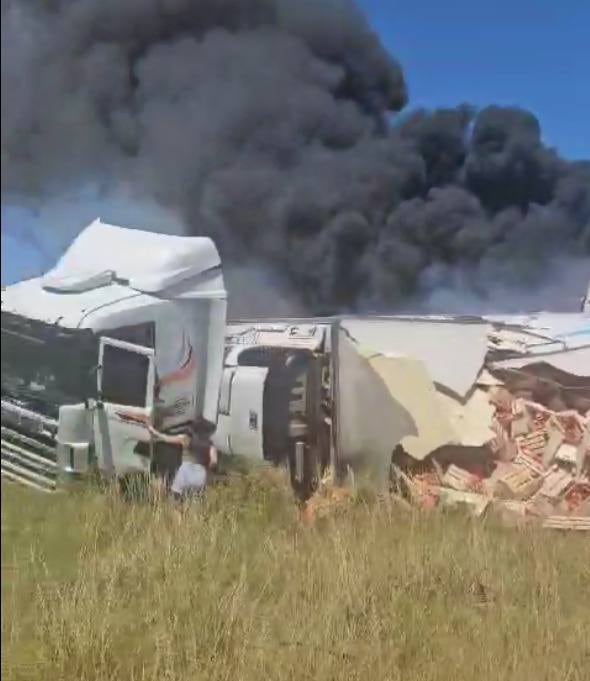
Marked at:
<point>126,321</point>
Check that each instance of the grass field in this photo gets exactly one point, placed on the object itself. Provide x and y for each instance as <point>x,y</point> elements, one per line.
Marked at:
<point>236,588</point>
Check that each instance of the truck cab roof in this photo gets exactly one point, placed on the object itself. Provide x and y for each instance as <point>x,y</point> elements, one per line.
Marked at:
<point>107,264</point>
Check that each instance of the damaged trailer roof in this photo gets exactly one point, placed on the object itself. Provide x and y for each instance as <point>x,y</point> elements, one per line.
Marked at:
<point>559,340</point>
<point>543,332</point>
<point>575,361</point>
<point>452,350</point>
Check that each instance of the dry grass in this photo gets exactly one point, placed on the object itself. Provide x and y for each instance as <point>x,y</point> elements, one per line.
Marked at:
<point>235,588</point>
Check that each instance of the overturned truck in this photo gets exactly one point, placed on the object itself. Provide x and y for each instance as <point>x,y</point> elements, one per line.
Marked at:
<point>453,409</point>
<point>129,328</point>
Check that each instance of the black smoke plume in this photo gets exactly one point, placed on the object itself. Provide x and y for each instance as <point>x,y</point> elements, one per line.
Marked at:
<point>273,126</point>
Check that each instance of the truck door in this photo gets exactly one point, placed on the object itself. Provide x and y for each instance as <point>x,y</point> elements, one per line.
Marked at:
<point>126,380</point>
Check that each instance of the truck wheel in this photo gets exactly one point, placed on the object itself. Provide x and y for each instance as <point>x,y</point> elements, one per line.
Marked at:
<point>304,486</point>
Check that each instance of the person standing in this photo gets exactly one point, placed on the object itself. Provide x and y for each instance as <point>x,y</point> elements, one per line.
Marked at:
<point>199,456</point>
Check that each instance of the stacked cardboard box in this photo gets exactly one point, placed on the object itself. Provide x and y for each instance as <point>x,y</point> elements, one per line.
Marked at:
<point>540,468</point>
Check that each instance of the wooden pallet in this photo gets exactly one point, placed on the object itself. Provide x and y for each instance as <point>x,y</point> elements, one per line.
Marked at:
<point>566,522</point>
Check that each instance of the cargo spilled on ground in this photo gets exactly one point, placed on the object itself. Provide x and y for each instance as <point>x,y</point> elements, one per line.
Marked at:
<point>94,588</point>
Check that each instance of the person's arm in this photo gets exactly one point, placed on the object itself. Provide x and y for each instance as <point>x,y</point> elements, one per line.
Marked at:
<point>170,439</point>
<point>212,457</point>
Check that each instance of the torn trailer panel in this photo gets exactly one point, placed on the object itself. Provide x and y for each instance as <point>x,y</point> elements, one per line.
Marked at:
<point>452,350</point>
<point>386,401</point>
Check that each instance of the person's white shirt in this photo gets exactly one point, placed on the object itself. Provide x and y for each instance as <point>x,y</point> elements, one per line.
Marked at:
<point>191,476</point>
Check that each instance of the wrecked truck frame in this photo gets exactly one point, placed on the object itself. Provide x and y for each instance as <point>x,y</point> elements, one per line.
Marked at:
<point>425,386</point>
<point>391,382</point>
<point>357,393</point>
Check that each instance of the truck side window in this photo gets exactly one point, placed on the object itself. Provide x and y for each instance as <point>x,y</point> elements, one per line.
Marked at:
<point>139,334</point>
<point>124,377</point>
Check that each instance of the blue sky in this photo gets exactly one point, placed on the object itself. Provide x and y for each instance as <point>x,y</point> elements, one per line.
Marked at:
<point>530,53</point>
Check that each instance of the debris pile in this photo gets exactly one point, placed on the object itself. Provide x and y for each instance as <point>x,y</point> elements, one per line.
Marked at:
<point>328,499</point>
<point>536,468</point>
<point>489,413</point>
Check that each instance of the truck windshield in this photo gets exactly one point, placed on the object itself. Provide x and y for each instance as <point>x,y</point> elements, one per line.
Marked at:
<point>45,366</point>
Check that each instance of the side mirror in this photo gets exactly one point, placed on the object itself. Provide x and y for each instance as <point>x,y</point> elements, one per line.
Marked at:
<point>93,371</point>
